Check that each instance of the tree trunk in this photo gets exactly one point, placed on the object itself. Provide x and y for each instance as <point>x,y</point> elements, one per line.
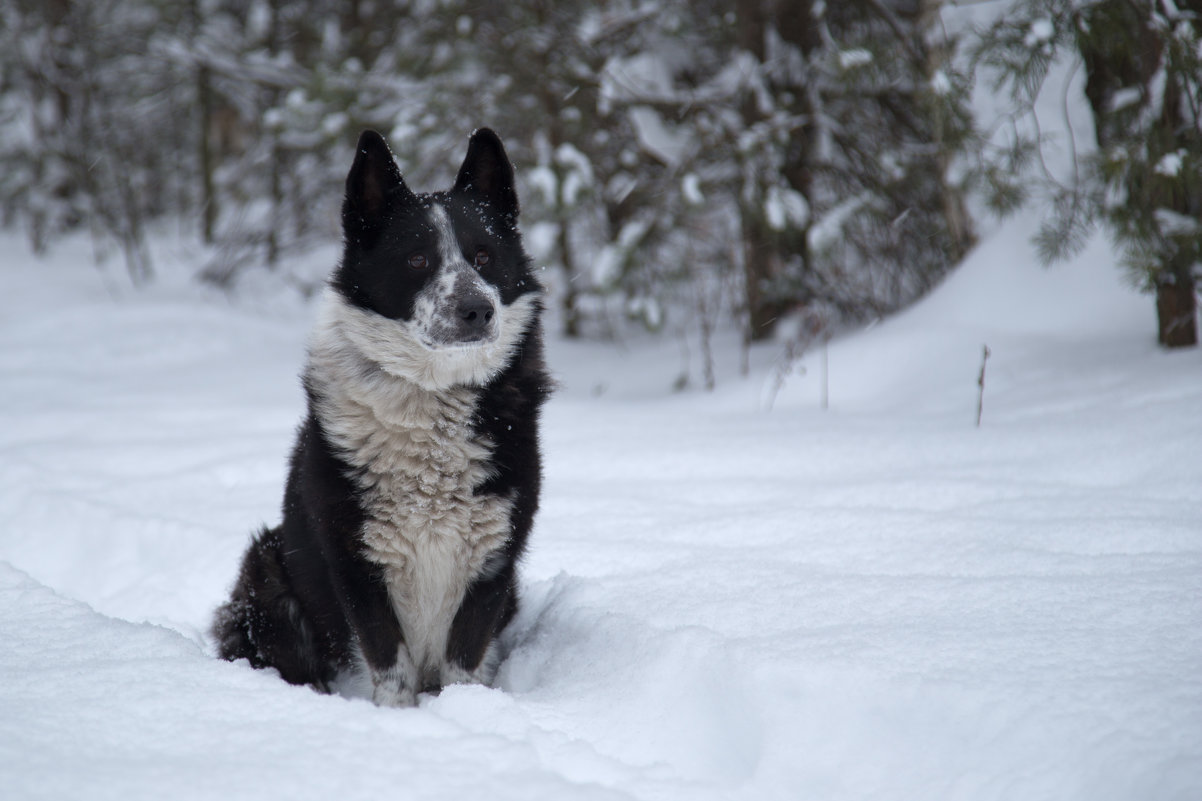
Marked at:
<point>752,25</point>
<point>1113,64</point>
<point>276,158</point>
<point>571,314</point>
<point>761,265</point>
<point>955,214</point>
<point>767,253</point>
<point>204,139</point>
<point>1177,311</point>
<point>208,192</point>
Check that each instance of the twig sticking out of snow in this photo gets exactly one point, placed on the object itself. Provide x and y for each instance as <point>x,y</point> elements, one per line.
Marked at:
<point>981,383</point>
<point>812,326</point>
<point>826,372</point>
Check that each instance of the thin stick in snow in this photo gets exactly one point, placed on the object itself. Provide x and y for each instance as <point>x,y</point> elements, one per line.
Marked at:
<point>787,364</point>
<point>826,373</point>
<point>981,384</point>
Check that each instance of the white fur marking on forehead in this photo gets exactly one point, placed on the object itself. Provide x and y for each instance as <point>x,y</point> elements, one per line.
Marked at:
<point>448,243</point>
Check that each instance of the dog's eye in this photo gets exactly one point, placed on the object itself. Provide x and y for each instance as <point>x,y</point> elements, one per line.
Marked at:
<point>482,257</point>
<point>418,261</point>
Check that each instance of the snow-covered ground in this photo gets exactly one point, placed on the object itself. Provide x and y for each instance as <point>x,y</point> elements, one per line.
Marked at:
<point>723,600</point>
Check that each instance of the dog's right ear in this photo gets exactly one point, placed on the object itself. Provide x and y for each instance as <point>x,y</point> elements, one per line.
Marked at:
<point>373,187</point>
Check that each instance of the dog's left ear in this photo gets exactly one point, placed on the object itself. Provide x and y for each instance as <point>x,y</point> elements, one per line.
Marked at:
<point>487,174</point>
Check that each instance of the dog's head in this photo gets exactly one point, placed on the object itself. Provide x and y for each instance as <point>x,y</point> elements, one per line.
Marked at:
<point>437,285</point>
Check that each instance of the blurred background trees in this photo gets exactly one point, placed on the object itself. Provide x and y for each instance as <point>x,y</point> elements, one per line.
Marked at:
<point>683,165</point>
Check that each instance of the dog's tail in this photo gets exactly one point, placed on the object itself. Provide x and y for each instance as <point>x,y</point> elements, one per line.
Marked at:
<point>264,623</point>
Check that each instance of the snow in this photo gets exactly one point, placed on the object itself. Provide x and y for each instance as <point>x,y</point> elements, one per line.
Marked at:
<point>577,169</point>
<point>857,57</point>
<point>690,187</point>
<point>828,228</point>
<point>1042,31</point>
<point>940,83</point>
<point>644,76</point>
<point>785,206</point>
<point>607,265</point>
<point>730,595</point>
<point>1123,98</point>
<point>1170,164</point>
<point>656,137</point>
<point>722,601</point>
<point>1175,224</point>
<point>542,179</point>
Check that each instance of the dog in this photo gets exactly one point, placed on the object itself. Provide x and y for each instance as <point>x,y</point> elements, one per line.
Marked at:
<point>414,481</point>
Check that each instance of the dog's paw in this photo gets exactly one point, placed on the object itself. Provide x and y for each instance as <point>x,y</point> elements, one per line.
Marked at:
<point>483,673</point>
<point>384,695</point>
<point>395,686</point>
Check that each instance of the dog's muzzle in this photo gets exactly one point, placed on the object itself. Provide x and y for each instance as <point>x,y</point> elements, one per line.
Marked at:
<point>465,313</point>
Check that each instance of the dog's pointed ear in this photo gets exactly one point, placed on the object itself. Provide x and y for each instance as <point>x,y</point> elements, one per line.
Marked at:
<point>487,174</point>
<point>373,186</point>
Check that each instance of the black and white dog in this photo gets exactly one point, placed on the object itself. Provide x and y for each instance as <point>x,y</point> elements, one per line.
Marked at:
<point>415,477</point>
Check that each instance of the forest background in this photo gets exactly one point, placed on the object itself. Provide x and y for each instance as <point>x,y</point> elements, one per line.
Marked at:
<point>683,166</point>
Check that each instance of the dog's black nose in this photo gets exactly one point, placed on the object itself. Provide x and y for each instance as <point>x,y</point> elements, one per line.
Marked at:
<point>475,312</point>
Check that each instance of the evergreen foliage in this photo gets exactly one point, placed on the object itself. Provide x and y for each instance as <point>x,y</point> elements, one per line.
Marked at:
<point>682,162</point>
<point>1143,64</point>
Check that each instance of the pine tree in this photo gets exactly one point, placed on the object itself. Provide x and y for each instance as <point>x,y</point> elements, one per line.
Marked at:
<point>681,161</point>
<point>1143,64</point>
<point>851,117</point>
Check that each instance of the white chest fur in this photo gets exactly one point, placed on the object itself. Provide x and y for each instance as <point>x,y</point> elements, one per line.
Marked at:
<point>418,466</point>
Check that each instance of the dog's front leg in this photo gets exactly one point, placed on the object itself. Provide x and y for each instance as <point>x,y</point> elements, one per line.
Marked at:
<point>395,685</point>
<point>394,679</point>
<point>368,608</point>
<point>488,605</point>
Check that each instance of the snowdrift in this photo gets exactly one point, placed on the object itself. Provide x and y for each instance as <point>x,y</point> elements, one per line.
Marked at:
<point>723,600</point>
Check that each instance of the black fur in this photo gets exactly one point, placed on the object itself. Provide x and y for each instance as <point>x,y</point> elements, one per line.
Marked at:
<point>308,601</point>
